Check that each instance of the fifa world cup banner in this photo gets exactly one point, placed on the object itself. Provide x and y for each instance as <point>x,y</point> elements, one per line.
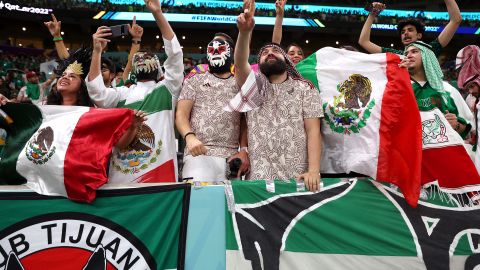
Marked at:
<point>131,228</point>
<point>349,224</point>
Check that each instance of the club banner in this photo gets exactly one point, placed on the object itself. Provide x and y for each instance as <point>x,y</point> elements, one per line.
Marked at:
<point>132,228</point>
<point>350,224</point>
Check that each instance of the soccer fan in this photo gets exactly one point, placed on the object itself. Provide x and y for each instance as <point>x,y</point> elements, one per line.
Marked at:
<point>155,147</point>
<point>211,134</point>
<point>429,89</point>
<point>283,111</point>
<point>34,91</point>
<point>411,30</point>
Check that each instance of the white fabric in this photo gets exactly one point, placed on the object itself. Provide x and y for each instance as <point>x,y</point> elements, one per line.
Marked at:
<point>470,100</point>
<point>437,132</point>
<point>344,153</point>
<point>53,116</point>
<point>477,153</point>
<point>242,102</point>
<point>204,168</point>
<point>462,107</point>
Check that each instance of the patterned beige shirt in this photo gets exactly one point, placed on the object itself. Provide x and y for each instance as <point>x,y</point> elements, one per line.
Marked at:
<point>277,140</point>
<point>217,129</point>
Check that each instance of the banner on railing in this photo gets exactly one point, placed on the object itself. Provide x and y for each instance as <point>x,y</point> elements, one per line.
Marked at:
<point>131,228</point>
<point>350,224</point>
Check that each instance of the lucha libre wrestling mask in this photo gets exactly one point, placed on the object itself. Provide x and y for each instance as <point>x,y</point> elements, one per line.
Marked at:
<point>219,55</point>
<point>146,66</point>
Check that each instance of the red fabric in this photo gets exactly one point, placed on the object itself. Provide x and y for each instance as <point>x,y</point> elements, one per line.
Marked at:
<point>452,167</point>
<point>86,159</point>
<point>400,153</point>
<point>468,59</point>
<point>161,174</point>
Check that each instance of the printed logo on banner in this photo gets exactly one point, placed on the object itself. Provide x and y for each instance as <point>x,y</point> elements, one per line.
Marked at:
<point>350,111</point>
<point>82,241</point>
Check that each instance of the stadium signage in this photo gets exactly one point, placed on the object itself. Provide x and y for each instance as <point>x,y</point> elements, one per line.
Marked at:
<point>430,28</point>
<point>204,18</point>
<point>473,16</point>
<point>35,10</point>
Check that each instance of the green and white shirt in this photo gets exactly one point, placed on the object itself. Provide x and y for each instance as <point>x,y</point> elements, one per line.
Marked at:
<point>152,155</point>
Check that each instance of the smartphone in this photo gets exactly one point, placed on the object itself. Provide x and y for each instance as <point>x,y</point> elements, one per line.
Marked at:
<point>119,30</point>
<point>233,168</point>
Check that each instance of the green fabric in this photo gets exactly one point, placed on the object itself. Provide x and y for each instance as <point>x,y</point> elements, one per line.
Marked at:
<point>391,50</point>
<point>121,83</point>
<point>27,119</point>
<point>429,98</point>
<point>307,68</point>
<point>132,225</point>
<point>362,221</point>
<point>33,91</point>
<point>436,47</point>
<point>432,68</point>
<point>160,99</point>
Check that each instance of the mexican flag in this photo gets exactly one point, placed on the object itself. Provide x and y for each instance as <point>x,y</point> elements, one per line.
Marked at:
<point>371,124</point>
<point>350,224</point>
<point>60,150</point>
<point>446,161</point>
<point>152,156</point>
<point>38,232</point>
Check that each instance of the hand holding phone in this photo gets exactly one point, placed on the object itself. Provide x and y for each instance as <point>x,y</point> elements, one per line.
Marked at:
<point>119,30</point>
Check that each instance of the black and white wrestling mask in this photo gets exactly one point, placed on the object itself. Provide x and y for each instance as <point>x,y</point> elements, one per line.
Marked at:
<point>219,55</point>
<point>146,66</point>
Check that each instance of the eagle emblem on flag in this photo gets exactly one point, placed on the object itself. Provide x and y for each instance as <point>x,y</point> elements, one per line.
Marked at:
<point>349,111</point>
<point>141,152</point>
<point>39,149</point>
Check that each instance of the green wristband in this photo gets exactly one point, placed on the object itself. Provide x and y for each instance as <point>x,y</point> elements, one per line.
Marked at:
<point>55,39</point>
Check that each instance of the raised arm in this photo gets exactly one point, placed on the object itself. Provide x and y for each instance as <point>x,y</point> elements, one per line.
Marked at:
<point>54,27</point>
<point>245,24</point>
<point>455,19</point>
<point>173,76</point>
<point>102,96</point>
<point>156,8</point>
<point>136,31</point>
<point>364,39</point>
<point>99,43</point>
<point>279,13</point>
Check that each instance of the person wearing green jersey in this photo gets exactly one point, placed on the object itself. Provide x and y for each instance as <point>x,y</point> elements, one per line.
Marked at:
<point>429,89</point>
<point>410,30</point>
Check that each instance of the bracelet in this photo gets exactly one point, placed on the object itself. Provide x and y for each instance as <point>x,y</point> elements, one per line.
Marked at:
<point>136,41</point>
<point>55,39</point>
<point>188,133</point>
<point>245,148</point>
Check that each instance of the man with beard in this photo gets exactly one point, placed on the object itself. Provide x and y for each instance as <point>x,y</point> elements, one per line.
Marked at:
<point>152,157</point>
<point>211,134</point>
<point>411,30</point>
<point>283,111</point>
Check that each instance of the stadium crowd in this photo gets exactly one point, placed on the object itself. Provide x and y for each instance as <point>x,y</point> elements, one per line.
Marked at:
<point>332,15</point>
